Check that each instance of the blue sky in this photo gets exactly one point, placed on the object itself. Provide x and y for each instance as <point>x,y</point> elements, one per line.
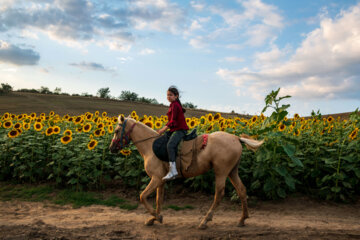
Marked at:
<point>222,55</point>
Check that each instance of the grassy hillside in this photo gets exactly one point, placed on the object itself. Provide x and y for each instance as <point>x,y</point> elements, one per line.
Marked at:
<point>19,102</point>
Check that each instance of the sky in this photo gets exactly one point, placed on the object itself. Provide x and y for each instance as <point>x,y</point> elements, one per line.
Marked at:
<point>222,55</point>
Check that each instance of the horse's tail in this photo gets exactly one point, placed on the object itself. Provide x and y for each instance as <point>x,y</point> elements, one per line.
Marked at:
<point>250,143</point>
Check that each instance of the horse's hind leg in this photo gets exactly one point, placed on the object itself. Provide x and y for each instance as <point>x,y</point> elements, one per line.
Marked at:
<point>219,194</point>
<point>154,183</point>
<point>241,191</point>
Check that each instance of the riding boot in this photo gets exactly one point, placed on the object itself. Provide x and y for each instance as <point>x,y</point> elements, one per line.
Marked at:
<point>172,174</point>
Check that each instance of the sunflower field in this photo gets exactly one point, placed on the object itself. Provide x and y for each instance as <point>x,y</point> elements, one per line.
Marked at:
<point>316,156</point>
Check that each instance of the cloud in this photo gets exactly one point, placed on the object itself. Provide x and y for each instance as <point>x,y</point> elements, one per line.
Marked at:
<point>197,6</point>
<point>147,51</point>
<point>198,42</point>
<point>325,65</point>
<point>74,21</point>
<point>91,66</point>
<point>16,55</point>
<point>234,59</point>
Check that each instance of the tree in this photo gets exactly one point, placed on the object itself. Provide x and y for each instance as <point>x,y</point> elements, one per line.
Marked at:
<point>5,88</point>
<point>189,105</point>
<point>103,92</point>
<point>44,90</point>
<point>57,90</point>
<point>128,96</point>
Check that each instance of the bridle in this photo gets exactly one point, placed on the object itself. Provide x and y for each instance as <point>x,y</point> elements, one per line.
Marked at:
<point>125,139</point>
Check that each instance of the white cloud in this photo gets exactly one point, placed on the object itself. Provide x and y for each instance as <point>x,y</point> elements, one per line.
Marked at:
<point>198,42</point>
<point>197,6</point>
<point>147,51</point>
<point>325,65</point>
<point>234,59</point>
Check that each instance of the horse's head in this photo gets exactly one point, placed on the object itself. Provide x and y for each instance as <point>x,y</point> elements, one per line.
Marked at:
<point>122,134</point>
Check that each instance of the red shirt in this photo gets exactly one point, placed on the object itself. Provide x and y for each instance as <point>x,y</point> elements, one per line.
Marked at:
<point>176,117</point>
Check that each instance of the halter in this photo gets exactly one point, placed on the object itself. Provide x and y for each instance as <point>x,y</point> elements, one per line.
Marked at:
<point>124,139</point>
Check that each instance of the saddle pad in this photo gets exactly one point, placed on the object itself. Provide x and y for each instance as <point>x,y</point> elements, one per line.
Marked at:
<point>187,150</point>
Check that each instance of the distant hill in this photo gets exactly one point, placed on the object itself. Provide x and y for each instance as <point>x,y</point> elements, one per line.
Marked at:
<point>22,102</point>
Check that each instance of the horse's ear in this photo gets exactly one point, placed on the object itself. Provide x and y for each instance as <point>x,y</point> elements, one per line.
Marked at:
<point>121,118</point>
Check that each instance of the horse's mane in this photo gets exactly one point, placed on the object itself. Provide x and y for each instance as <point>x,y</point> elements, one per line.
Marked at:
<point>140,124</point>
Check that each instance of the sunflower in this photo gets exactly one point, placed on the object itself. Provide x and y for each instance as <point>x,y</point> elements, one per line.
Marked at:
<point>92,144</point>
<point>38,126</point>
<point>20,117</point>
<point>33,115</point>
<point>192,123</point>
<point>66,139</point>
<point>13,133</point>
<point>293,124</point>
<point>102,132</point>
<point>354,134</point>
<point>52,113</point>
<point>210,117</point>
<point>202,120</point>
<point>158,124</point>
<point>297,132</point>
<point>281,127</point>
<point>104,114</point>
<point>17,125</point>
<point>296,116</point>
<point>96,113</point>
<point>114,120</point>
<point>78,119</point>
<point>56,129</point>
<point>149,124</point>
<point>26,126</point>
<point>97,132</point>
<point>67,132</point>
<point>110,129</point>
<point>6,116</point>
<point>79,129</point>
<point>87,127</point>
<point>253,119</point>
<point>70,119</point>
<point>322,132</point>
<point>187,121</point>
<point>89,117</point>
<point>330,119</point>
<point>303,127</point>
<point>100,125</point>
<point>209,128</point>
<point>49,131</point>
<point>330,128</point>
<point>217,116</point>
<point>8,124</point>
<point>125,152</point>
<point>133,114</point>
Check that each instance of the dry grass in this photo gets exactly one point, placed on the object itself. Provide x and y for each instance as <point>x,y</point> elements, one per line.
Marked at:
<point>19,102</point>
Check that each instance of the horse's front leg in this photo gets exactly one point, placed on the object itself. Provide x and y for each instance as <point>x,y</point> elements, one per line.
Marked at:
<point>159,201</point>
<point>154,183</point>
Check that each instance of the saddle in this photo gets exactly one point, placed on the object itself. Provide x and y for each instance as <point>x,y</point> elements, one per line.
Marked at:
<point>188,149</point>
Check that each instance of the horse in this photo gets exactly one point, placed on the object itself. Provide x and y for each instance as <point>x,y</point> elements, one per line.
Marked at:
<point>222,153</point>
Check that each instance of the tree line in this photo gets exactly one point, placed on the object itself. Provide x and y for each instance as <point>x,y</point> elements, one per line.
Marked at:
<point>101,93</point>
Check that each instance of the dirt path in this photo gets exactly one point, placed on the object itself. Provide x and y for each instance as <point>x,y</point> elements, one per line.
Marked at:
<point>295,218</point>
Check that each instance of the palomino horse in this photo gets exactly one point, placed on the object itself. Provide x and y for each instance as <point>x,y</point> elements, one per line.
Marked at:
<point>222,153</point>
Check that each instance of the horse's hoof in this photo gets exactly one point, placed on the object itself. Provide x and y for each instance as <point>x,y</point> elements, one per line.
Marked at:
<point>150,222</point>
<point>202,226</point>
<point>160,219</point>
<point>241,224</point>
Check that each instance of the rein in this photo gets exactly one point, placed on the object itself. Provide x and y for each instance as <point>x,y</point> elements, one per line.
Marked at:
<point>125,139</point>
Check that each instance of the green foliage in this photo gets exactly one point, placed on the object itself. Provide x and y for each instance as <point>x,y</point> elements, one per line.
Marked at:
<point>104,92</point>
<point>5,88</point>
<point>189,105</point>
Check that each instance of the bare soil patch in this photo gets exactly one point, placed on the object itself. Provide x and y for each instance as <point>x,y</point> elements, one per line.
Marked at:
<point>294,218</point>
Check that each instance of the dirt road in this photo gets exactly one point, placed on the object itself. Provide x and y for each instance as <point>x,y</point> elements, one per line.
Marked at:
<point>294,218</point>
